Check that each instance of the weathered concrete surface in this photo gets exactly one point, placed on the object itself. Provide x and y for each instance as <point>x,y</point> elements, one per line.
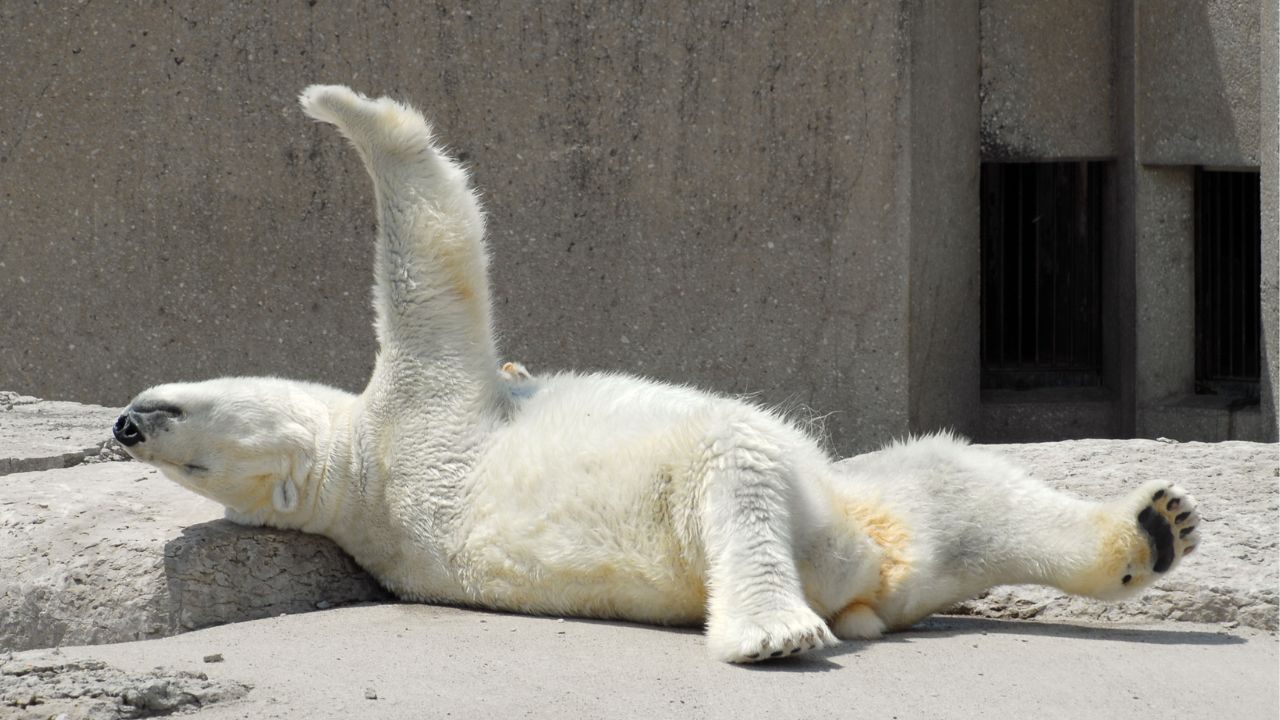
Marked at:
<point>52,687</point>
<point>939,222</point>
<point>114,551</point>
<point>707,194</point>
<point>1047,80</point>
<point>1233,577</point>
<point>1199,82</point>
<point>1270,181</point>
<point>1165,286</point>
<point>42,434</point>
<point>421,661</point>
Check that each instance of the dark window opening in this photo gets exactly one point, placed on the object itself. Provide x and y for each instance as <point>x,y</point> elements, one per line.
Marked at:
<point>1228,273</point>
<point>1041,274</point>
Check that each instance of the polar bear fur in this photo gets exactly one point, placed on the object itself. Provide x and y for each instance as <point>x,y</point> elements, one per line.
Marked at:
<point>608,495</point>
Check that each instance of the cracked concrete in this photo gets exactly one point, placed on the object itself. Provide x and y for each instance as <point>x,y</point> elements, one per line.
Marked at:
<point>52,686</point>
<point>44,434</point>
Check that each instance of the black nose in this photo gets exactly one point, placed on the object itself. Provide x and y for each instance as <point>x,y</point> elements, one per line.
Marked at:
<point>126,431</point>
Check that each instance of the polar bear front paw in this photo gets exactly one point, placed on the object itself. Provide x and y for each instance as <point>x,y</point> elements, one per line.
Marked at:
<point>1170,521</point>
<point>769,635</point>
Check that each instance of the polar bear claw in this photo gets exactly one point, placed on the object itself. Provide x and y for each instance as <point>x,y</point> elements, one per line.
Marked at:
<point>768,636</point>
<point>1171,521</point>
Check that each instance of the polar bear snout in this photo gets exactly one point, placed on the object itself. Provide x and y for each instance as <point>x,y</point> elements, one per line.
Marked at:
<point>129,427</point>
<point>126,431</point>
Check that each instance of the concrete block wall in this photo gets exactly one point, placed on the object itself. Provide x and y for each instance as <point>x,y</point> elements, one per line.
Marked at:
<point>707,194</point>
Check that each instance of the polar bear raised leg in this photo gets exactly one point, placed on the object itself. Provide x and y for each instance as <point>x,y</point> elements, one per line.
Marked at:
<point>430,272</point>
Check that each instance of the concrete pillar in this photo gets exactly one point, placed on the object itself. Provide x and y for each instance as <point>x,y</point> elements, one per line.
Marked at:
<point>1118,286</point>
<point>939,162</point>
<point>1270,152</point>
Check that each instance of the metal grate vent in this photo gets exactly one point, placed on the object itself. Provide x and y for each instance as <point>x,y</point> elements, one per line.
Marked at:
<point>1228,266</point>
<point>1041,264</point>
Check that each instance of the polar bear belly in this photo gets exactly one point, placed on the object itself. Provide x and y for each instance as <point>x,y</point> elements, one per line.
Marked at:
<point>557,525</point>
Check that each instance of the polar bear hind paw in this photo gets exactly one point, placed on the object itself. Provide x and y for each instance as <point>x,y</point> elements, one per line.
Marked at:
<point>769,636</point>
<point>1170,521</point>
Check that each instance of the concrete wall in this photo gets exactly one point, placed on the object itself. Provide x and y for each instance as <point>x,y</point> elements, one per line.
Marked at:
<point>712,195</point>
<point>778,198</point>
<point>1047,80</point>
<point>1198,81</point>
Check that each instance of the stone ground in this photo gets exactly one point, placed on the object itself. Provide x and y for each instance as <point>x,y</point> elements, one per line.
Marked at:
<point>420,661</point>
<point>93,550</point>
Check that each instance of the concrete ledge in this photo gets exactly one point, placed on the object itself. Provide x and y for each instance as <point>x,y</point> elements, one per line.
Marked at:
<point>96,551</point>
<point>43,434</point>
<point>112,552</point>
<point>1206,417</point>
<point>1035,415</point>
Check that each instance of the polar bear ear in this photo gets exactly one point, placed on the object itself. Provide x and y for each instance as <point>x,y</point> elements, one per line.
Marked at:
<point>285,496</point>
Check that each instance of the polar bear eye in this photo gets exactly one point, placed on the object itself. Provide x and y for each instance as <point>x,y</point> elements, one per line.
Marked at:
<point>193,468</point>
<point>161,408</point>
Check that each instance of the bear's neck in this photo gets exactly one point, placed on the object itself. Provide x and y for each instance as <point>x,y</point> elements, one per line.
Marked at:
<point>356,485</point>
<point>334,471</point>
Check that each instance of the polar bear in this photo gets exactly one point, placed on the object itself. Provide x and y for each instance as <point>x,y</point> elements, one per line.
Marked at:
<point>606,495</point>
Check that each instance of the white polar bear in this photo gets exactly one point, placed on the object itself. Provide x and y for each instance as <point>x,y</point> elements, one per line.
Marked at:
<point>606,495</point>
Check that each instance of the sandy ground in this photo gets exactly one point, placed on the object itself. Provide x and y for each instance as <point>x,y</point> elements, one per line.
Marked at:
<point>416,661</point>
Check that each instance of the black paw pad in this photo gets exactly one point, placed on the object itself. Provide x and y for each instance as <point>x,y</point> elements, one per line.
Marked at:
<point>1161,535</point>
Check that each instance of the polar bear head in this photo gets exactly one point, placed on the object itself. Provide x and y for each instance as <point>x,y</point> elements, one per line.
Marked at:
<point>248,443</point>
